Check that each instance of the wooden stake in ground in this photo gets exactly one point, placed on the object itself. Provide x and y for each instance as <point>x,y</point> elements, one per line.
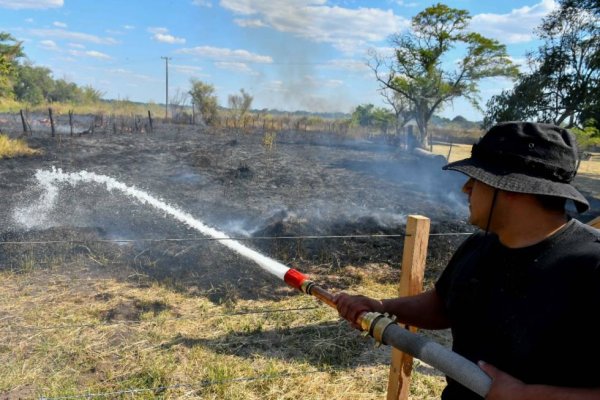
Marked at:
<point>51,122</point>
<point>71,121</point>
<point>23,122</point>
<point>150,121</point>
<point>411,283</point>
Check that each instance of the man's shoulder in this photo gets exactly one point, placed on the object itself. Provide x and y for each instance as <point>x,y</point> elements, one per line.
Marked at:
<point>584,234</point>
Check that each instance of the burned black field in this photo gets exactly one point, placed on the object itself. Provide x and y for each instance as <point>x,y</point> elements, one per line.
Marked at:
<point>101,293</point>
<point>308,184</point>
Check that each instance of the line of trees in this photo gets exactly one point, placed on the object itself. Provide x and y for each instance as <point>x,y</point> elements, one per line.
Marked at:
<point>563,84</point>
<point>22,81</point>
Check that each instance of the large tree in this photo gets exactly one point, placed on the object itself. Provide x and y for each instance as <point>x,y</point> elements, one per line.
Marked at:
<point>421,72</point>
<point>10,51</point>
<point>562,86</point>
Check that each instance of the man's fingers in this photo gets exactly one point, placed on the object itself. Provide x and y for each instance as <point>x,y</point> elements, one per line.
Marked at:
<point>488,369</point>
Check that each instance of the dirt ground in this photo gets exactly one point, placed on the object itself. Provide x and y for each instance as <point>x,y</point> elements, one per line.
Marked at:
<point>307,184</point>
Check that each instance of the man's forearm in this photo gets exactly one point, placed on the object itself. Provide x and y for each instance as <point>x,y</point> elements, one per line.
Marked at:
<point>424,310</point>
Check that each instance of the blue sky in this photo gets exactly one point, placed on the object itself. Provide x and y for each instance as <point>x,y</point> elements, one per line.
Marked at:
<point>290,55</point>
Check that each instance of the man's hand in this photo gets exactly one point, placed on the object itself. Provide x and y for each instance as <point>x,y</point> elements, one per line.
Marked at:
<point>350,307</point>
<point>504,386</point>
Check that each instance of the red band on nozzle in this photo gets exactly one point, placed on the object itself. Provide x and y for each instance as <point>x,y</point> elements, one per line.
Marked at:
<point>294,278</point>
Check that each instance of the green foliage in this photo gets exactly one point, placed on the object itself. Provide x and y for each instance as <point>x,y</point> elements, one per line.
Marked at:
<point>588,137</point>
<point>367,115</point>
<point>90,95</point>
<point>417,72</point>
<point>204,100</point>
<point>10,51</point>
<point>35,85</point>
<point>563,87</point>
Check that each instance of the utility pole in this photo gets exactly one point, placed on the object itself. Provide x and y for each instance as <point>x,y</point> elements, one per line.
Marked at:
<point>166,86</point>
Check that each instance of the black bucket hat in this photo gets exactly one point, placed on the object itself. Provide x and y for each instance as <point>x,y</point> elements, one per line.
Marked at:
<point>526,157</point>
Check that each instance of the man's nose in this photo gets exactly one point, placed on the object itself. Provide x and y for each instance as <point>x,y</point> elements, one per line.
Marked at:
<point>468,186</point>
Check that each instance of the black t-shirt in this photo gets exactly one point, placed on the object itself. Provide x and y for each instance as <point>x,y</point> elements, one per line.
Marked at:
<point>532,312</point>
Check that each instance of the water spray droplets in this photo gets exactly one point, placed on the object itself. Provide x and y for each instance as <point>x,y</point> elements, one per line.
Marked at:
<point>38,213</point>
<point>49,178</point>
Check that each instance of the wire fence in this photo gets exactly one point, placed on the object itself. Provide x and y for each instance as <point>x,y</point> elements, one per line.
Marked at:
<point>237,238</point>
<point>8,325</point>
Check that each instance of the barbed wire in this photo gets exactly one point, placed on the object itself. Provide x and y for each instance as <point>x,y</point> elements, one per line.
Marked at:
<point>242,238</point>
<point>201,384</point>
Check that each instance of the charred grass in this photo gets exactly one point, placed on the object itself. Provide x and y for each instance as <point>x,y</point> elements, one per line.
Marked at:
<point>74,327</point>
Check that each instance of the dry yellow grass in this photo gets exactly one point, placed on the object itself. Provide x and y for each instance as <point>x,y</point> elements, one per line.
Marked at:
<point>66,336</point>
<point>455,151</point>
<point>15,147</point>
<point>460,151</point>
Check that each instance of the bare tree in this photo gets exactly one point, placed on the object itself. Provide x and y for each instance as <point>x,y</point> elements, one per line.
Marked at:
<point>177,103</point>
<point>239,105</point>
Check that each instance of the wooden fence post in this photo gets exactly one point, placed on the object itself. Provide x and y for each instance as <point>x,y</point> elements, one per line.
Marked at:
<point>150,121</point>
<point>51,122</point>
<point>71,121</point>
<point>23,121</point>
<point>411,282</point>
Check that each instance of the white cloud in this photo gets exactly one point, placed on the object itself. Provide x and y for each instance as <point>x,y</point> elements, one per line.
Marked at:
<point>90,53</point>
<point>162,35</point>
<point>97,54</point>
<point>29,20</point>
<point>249,23</point>
<point>235,67</point>
<point>407,4</point>
<point>186,69</point>
<point>128,27</point>
<point>515,27</point>
<point>346,29</point>
<point>165,38</point>
<point>59,24</point>
<point>202,3</point>
<point>76,45</point>
<point>49,44</point>
<point>78,36</point>
<point>226,55</point>
<point>30,4</point>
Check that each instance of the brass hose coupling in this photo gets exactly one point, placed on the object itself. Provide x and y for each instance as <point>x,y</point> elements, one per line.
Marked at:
<point>306,286</point>
<point>374,324</point>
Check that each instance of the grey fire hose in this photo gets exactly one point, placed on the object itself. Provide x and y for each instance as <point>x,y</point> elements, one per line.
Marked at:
<point>386,331</point>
